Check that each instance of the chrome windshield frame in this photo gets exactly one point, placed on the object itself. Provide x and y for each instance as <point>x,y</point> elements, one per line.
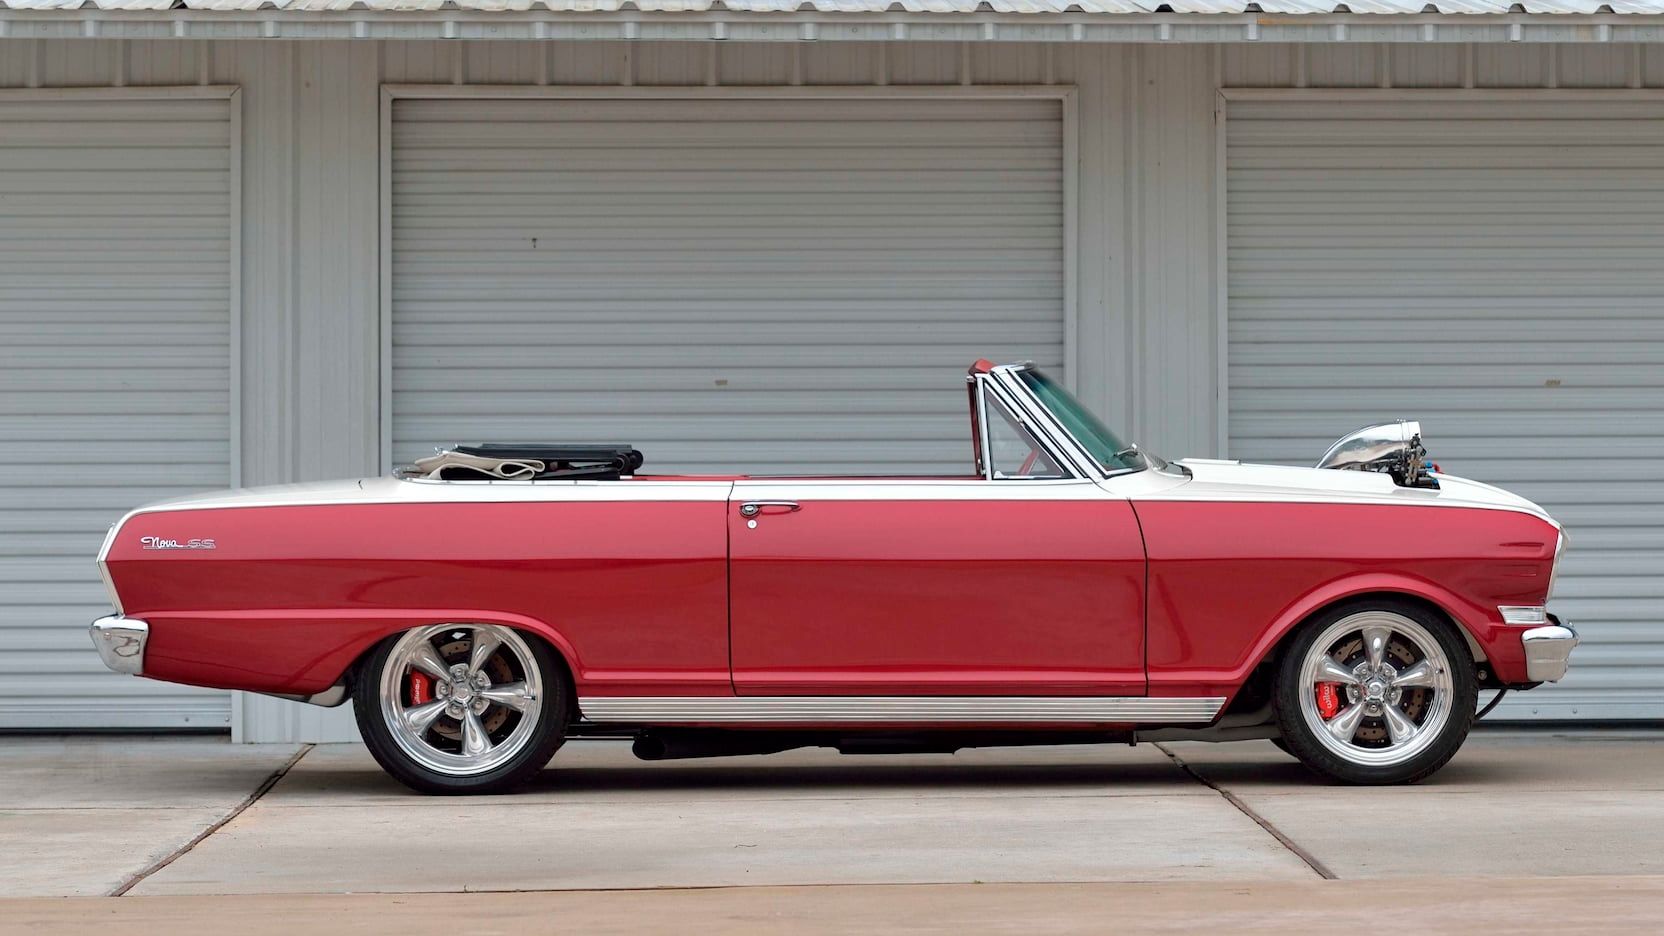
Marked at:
<point>1022,407</point>
<point>1046,425</point>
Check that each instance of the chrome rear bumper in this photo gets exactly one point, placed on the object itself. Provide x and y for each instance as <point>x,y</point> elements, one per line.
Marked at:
<point>120,642</point>
<point>1548,650</point>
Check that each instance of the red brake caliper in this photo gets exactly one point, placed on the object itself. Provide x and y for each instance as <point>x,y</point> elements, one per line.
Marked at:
<point>1328,699</point>
<point>421,688</point>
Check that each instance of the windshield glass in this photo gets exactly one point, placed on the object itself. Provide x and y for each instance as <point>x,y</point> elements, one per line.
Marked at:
<point>1111,453</point>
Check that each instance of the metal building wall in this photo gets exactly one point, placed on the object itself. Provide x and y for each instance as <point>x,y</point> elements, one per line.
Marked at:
<point>1148,240</point>
<point>697,274</point>
<point>117,320</point>
<point>1492,267</point>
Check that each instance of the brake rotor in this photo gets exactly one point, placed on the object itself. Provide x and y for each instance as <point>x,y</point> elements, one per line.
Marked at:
<point>496,669</point>
<point>1372,730</point>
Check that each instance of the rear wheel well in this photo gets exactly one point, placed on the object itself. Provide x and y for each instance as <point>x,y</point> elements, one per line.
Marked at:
<point>356,669</point>
<point>570,683</point>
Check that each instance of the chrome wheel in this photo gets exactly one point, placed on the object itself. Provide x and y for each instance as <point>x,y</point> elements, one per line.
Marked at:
<point>461,699</point>
<point>1376,688</point>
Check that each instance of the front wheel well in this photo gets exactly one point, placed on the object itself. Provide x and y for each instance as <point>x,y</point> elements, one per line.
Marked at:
<point>1256,690</point>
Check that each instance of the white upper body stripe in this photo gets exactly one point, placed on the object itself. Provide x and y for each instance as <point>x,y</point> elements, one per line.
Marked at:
<point>1212,482</point>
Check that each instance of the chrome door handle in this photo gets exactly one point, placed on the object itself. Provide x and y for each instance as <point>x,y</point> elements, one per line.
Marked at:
<point>753,508</point>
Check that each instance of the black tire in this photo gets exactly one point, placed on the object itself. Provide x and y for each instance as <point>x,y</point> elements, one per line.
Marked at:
<point>547,734</point>
<point>1281,745</point>
<point>1300,740</point>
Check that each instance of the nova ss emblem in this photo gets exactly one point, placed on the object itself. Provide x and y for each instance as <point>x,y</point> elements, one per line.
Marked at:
<point>157,542</point>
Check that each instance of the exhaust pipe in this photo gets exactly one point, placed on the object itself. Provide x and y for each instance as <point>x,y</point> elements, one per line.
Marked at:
<point>693,742</point>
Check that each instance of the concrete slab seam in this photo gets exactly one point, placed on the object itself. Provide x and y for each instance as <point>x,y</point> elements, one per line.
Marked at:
<point>1311,861</point>
<point>199,838</point>
<point>544,804</point>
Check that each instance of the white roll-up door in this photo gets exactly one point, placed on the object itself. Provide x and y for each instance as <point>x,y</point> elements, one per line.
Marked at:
<point>757,285</point>
<point>115,260</point>
<point>1494,268</point>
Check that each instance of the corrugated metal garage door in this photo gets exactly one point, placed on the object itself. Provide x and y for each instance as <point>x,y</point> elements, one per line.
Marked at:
<point>114,376</point>
<point>766,285</point>
<point>1495,269</point>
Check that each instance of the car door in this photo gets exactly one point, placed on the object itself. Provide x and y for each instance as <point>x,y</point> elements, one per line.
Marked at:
<point>1022,582</point>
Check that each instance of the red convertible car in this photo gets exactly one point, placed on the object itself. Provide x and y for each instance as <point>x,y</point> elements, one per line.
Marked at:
<point>493,600</point>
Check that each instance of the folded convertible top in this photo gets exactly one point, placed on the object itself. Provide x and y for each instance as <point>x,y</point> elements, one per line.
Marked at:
<point>528,461</point>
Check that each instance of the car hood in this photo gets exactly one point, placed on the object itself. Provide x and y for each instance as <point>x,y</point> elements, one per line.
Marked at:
<point>1212,479</point>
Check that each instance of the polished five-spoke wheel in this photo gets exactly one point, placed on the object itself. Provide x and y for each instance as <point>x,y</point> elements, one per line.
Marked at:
<point>1376,692</point>
<point>460,699</point>
<point>461,707</point>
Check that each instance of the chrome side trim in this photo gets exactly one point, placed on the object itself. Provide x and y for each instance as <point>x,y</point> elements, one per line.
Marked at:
<point>667,710</point>
<point>1554,570</point>
<point>1548,652</point>
<point>120,642</point>
<point>104,565</point>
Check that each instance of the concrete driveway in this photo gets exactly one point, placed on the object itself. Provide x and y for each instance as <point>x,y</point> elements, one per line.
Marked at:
<point>171,818</point>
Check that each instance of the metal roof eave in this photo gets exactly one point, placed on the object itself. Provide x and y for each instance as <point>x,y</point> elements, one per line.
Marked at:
<point>89,21</point>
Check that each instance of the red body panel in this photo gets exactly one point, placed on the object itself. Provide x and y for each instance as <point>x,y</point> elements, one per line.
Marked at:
<point>1228,579</point>
<point>946,597</point>
<point>1029,596</point>
<point>633,593</point>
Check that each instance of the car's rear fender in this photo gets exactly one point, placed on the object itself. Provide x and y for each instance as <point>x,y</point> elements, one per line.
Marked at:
<point>300,652</point>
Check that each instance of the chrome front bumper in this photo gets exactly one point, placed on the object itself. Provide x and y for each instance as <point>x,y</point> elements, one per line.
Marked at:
<point>120,642</point>
<point>1548,650</point>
